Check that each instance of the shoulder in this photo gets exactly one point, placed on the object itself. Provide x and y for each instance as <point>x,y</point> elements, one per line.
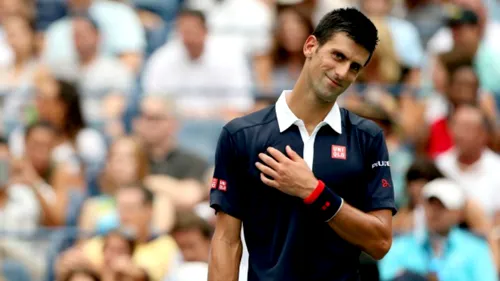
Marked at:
<point>251,121</point>
<point>357,124</point>
<point>472,240</point>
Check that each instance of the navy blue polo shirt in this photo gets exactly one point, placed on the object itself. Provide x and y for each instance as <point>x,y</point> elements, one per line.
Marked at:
<point>285,240</point>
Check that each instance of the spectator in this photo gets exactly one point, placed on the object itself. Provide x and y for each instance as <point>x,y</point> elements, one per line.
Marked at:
<point>16,78</point>
<point>411,216</point>
<point>471,47</point>
<point>58,103</point>
<point>445,252</point>
<point>207,78</point>
<point>118,249</point>
<point>470,162</point>
<point>21,214</point>
<point>175,172</point>
<point>97,75</point>
<point>123,35</point>
<point>82,275</point>
<point>127,164</point>
<point>463,89</point>
<point>154,253</point>
<point>193,235</point>
<point>281,68</point>
<point>406,50</point>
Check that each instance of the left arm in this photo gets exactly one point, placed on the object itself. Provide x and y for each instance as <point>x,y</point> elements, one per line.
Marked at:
<point>370,229</point>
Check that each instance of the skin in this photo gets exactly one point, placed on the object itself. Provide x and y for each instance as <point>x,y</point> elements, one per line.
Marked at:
<point>328,71</point>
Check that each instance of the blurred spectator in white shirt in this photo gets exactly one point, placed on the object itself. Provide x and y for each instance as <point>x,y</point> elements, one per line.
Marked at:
<point>99,77</point>
<point>122,33</point>
<point>16,78</point>
<point>470,162</point>
<point>206,77</point>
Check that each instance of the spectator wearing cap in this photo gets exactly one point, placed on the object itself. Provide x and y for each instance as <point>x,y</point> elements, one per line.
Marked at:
<point>123,34</point>
<point>445,253</point>
<point>103,80</point>
<point>471,46</point>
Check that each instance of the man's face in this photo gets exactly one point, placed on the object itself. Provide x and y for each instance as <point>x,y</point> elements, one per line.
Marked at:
<point>114,247</point>
<point>439,219</point>
<point>154,124</point>
<point>193,245</point>
<point>464,87</point>
<point>467,130</point>
<point>334,66</point>
<point>39,145</point>
<point>193,34</point>
<point>86,37</point>
<point>465,35</point>
<point>134,213</point>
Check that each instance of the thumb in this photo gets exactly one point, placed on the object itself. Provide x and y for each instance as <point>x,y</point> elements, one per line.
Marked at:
<point>292,154</point>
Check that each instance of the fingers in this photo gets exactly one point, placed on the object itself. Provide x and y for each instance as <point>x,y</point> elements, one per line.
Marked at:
<point>276,154</point>
<point>268,182</point>
<point>266,170</point>
<point>292,154</point>
<point>269,161</point>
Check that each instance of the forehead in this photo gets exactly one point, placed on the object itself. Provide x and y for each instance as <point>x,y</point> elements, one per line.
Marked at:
<point>353,51</point>
<point>154,106</point>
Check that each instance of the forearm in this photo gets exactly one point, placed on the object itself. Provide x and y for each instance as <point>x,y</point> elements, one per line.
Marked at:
<point>363,230</point>
<point>224,263</point>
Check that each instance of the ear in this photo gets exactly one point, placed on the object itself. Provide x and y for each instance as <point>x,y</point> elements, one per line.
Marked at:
<point>310,46</point>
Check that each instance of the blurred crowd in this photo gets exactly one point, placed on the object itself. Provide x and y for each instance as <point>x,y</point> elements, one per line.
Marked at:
<point>110,111</point>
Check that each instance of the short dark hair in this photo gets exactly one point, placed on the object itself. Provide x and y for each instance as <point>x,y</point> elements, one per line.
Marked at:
<point>189,220</point>
<point>194,13</point>
<point>147,195</point>
<point>423,168</point>
<point>353,23</point>
<point>39,124</point>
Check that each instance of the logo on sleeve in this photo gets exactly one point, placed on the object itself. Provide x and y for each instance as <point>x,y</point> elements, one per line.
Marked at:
<point>381,164</point>
<point>339,152</point>
<point>214,183</point>
<point>385,183</point>
<point>222,185</point>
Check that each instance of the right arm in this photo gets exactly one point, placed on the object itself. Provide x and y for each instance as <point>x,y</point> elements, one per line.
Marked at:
<point>226,198</point>
<point>225,254</point>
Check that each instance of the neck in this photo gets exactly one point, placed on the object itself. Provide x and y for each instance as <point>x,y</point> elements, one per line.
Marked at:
<point>87,59</point>
<point>470,158</point>
<point>3,196</point>
<point>304,103</point>
<point>161,150</point>
<point>21,59</point>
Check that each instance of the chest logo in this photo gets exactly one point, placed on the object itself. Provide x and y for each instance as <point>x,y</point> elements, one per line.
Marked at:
<point>339,152</point>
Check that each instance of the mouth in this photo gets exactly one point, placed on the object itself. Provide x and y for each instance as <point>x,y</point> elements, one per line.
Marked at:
<point>333,82</point>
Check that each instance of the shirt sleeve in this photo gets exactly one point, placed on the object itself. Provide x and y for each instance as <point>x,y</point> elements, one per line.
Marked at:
<point>226,186</point>
<point>380,190</point>
<point>484,267</point>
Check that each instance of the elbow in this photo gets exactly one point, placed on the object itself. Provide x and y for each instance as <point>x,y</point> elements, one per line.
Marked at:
<point>380,248</point>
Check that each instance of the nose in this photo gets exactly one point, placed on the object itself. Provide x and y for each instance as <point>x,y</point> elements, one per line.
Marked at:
<point>342,70</point>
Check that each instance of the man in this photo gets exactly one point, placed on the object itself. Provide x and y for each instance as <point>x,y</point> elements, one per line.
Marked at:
<point>307,212</point>
<point>207,76</point>
<point>470,162</point>
<point>153,254</point>
<point>122,29</point>
<point>181,175</point>
<point>99,77</point>
<point>445,253</point>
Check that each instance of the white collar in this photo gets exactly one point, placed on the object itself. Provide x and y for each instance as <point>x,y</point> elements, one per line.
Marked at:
<point>286,118</point>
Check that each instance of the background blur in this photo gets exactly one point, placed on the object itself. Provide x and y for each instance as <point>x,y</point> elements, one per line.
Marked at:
<point>110,113</point>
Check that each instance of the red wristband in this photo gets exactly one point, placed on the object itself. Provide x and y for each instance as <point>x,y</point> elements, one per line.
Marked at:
<point>316,193</point>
